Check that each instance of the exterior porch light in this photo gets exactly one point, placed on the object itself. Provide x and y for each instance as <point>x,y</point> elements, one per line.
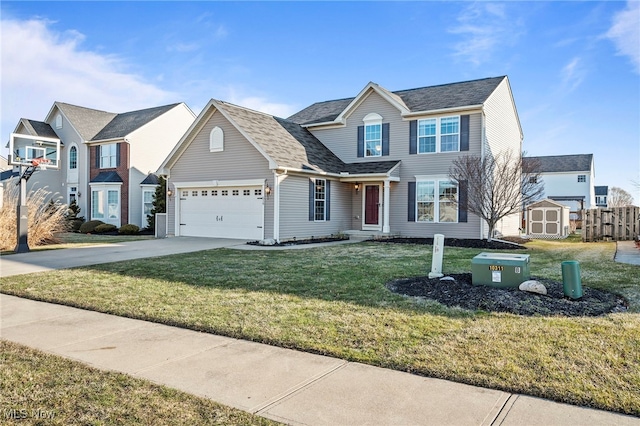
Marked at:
<point>357,186</point>
<point>169,193</point>
<point>267,190</point>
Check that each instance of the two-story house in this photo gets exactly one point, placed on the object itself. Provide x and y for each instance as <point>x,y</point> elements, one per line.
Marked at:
<point>568,179</point>
<point>106,157</point>
<point>601,193</point>
<point>377,162</point>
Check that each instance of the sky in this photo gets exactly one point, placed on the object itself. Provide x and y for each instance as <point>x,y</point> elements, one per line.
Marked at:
<point>574,67</point>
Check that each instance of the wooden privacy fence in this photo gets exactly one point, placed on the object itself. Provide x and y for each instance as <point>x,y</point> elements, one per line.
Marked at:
<point>611,224</point>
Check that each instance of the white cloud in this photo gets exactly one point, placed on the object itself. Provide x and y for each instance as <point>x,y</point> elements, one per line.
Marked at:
<point>625,33</point>
<point>264,105</point>
<point>573,74</point>
<point>483,27</point>
<point>41,66</point>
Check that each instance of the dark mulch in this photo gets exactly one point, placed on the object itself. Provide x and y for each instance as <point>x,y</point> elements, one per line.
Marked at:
<point>462,293</point>
<point>513,243</point>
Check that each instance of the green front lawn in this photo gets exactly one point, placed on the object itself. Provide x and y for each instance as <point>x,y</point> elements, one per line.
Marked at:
<point>333,300</point>
<point>42,389</point>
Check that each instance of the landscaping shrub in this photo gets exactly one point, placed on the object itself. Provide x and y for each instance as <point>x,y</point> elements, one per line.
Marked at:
<point>105,227</point>
<point>46,217</point>
<point>90,226</point>
<point>73,217</point>
<point>129,229</point>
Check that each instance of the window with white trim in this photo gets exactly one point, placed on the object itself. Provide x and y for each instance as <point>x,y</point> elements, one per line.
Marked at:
<point>108,154</point>
<point>320,201</point>
<point>436,201</point>
<point>439,134</point>
<point>97,204</point>
<point>73,158</point>
<point>58,121</point>
<point>113,204</point>
<point>372,135</point>
<point>582,178</point>
<point>147,203</point>
<point>216,140</point>
<point>105,204</point>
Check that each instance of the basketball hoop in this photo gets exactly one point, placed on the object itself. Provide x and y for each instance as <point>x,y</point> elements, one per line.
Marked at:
<point>40,162</point>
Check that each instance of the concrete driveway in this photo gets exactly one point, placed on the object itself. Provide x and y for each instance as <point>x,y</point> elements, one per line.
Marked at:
<point>47,260</point>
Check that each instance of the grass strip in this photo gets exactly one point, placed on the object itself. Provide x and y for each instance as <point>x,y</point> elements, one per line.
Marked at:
<point>333,300</point>
<point>39,388</point>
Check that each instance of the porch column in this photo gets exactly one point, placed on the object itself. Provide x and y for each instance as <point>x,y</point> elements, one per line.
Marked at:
<point>385,207</point>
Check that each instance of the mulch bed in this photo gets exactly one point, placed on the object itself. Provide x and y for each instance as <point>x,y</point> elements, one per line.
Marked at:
<point>463,294</point>
<point>509,243</point>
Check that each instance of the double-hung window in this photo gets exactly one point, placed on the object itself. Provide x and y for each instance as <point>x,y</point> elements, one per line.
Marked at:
<point>439,135</point>
<point>320,200</point>
<point>108,156</point>
<point>427,135</point>
<point>373,140</point>
<point>436,201</point>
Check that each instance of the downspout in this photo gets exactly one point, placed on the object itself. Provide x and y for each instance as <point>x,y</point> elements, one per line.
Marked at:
<point>482,154</point>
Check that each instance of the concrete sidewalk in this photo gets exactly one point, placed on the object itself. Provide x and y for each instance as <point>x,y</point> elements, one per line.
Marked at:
<point>627,252</point>
<point>292,387</point>
<point>47,260</point>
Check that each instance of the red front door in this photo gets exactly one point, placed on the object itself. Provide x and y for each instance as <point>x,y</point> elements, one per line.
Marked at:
<point>371,203</point>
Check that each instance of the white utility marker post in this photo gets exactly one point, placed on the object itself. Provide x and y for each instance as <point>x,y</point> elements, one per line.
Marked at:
<point>436,259</point>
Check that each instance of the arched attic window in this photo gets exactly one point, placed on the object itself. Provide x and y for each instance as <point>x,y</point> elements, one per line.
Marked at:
<point>73,158</point>
<point>58,121</point>
<point>216,140</point>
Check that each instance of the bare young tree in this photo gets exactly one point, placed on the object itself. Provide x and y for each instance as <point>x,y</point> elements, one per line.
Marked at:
<point>498,185</point>
<point>618,197</point>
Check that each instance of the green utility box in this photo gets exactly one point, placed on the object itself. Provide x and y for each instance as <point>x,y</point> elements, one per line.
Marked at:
<point>500,270</point>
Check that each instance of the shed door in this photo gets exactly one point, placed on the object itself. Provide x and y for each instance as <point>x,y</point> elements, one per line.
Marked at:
<point>222,212</point>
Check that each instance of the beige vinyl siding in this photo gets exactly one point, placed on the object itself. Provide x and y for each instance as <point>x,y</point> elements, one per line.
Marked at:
<point>294,209</point>
<point>502,132</point>
<point>135,198</point>
<point>343,141</point>
<point>239,161</point>
<point>502,127</point>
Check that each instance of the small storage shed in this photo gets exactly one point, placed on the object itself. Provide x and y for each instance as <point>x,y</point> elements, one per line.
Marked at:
<point>547,219</point>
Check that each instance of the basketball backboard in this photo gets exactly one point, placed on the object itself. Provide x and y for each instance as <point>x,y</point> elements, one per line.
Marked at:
<point>27,150</point>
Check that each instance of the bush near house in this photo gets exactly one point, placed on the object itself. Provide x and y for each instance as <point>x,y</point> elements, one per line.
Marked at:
<point>90,226</point>
<point>73,217</point>
<point>46,217</point>
<point>104,228</point>
<point>129,229</point>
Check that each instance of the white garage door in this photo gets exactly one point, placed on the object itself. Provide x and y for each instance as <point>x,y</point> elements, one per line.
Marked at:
<point>222,212</point>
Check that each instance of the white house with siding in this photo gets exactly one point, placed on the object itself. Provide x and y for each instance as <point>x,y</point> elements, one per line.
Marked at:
<point>568,179</point>
<point>376,163</point>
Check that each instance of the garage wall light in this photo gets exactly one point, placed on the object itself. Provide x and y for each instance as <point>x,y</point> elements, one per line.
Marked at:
<point>357,187</point>
<point>169,193</point>
<point>267,190</point>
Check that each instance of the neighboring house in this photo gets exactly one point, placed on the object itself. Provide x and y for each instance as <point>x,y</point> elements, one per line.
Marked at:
<point>4,164</point>
<point>377,163</point>
<point>568,179</point>
<point>601,195</point>
<point>106,157</point>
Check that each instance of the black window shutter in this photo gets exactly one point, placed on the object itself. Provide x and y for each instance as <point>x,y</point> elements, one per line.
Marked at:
<point>463,189</point>
<point>385,139</point>
<point>360,141</point>
<point>412,202</point>
<point>413,137</point>
<point>464,133</point>
<point>327,200</point>
<point>117,155</point>
<point>97,156</point>
<point>312,196</point>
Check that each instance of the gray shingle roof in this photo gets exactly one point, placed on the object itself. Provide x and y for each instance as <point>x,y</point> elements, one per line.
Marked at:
<point>88,122</point>
<point>123,124</point>
<point>290,145</point>
<point>430,98</point>
<point>151,179</point>
<point>563,163</point>
<point>107,177</point>
<point>601,190</point>
<point>39,128</point>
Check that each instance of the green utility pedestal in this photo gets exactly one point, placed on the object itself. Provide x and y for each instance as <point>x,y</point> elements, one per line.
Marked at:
<point>500,269</point>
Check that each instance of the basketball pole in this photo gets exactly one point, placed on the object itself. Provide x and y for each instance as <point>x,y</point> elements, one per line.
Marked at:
<point>22,224</point>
